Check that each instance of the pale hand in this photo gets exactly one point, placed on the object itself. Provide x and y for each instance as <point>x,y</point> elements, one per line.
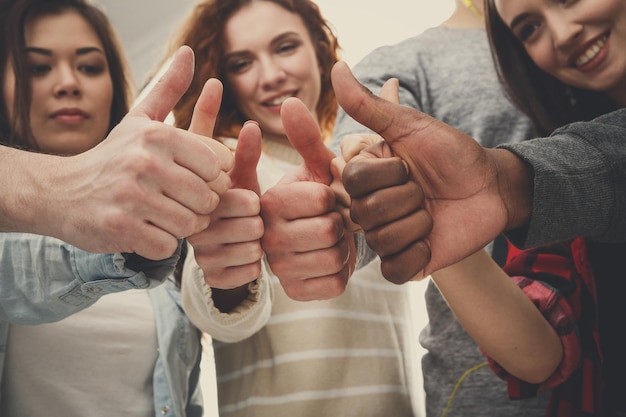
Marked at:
<point>305,241</point>
<point>144,187</point>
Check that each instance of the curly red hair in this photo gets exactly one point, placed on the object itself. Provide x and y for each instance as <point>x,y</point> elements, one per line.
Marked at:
<point>203,31</point>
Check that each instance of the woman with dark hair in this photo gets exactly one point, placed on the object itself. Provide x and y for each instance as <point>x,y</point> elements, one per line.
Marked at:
<point>64,87</point>
<point>548,100</point>
<point>551,318</point>
<point>275,356</point>
<point>15,127</point>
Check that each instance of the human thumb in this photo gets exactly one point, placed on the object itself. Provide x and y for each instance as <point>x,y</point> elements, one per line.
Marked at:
<point>169,89</point>
<point>390,90</point>
<point>304,134</point>
<point>390,120</point>
<point>247,154</point>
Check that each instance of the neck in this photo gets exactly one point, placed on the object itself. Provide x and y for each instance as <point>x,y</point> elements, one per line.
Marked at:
<point>467,14</point>
<point>276,138</point>
<point>619,95</point>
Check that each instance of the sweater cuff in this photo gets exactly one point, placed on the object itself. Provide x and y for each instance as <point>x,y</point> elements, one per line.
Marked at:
<point>241,322</point>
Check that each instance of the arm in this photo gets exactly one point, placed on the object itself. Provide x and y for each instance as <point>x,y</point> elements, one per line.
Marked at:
<point>500,317</point>
<point>579,175</point>
<point>45,279</point>
<point>138,191</point>
<point>493,190</point>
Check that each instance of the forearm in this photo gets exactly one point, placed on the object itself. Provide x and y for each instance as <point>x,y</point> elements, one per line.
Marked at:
<point>500,317</point>
<point>579,175</point>
<point>23,193</point>
<point>45,279</point>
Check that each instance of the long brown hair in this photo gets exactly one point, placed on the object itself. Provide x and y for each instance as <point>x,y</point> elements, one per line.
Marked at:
<point>549,102</point>
<point>14,15</point>
<point>203,31</point>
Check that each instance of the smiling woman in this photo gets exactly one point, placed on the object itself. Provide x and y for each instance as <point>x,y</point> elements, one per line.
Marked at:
<point>256,56</point>
<point>347,356</point>
<point>561,69</point>
<point>555,306</point>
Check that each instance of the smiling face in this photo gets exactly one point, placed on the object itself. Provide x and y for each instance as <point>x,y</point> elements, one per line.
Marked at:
<point>580,42</point>
<point>71,86</point>
<point>269,56</point>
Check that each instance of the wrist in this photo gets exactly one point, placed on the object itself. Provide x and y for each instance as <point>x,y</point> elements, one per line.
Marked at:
<point>21,201</point>
<point>515,185</point>
<point>226,300</point>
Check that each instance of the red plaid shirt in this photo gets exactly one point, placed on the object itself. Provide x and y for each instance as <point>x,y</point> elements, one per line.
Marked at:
<point>559,281</point>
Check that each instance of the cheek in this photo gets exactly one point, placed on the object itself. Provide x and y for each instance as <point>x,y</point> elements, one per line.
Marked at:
<point>313,79</point>
<point>601,8</point>
<point>104,97</point>
<point>543,56</point>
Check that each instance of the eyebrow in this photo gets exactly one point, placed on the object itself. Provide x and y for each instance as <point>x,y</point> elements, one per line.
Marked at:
<point>80,51</point>
<point>282,36</point>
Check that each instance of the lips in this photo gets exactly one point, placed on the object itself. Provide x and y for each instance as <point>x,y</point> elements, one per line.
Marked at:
<point>69,115</point>
<point>589,52</point>
<point>279,100</point>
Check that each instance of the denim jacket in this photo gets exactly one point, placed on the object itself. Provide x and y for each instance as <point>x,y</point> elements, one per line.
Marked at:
<point>177,371</point>
<point>43,279</point>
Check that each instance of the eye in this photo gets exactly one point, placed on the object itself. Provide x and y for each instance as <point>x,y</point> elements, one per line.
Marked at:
<point>527,30</point>
<point>38,70</point>
<point>238,66</point>
<point>91,69</point>
<point>287,47</point>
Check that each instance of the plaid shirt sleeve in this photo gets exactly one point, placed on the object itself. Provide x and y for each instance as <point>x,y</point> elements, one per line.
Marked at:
<point>550,278</point>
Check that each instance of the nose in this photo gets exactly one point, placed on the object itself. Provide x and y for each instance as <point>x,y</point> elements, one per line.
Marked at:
<point>565,31</point>
<point>271,73</point>
<point>67,84</point>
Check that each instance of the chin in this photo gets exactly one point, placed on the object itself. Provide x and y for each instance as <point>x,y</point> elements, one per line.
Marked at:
<point>70,146</point>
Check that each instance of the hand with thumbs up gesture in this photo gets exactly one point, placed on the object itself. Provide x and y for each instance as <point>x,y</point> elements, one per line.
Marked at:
<point>305,242</point>
<point>229,250</point>
<point>140,190</point>
<point>469,191</point>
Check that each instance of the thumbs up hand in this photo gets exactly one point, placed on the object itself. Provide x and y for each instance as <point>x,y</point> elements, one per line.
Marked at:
<point>464,206</point>
<point>305,241</point>
<point>351,146</point>
<point>229,250</point>
<point>146,185</point>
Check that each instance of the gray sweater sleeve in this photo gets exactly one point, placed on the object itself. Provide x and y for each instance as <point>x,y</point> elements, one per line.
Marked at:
<point>579,182</point>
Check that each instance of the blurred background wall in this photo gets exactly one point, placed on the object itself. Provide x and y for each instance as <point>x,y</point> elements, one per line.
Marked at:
<point>361,25</point>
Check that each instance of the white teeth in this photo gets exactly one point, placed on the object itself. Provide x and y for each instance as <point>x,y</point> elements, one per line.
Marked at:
<point>591,52</point>
<point>279,100</point>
